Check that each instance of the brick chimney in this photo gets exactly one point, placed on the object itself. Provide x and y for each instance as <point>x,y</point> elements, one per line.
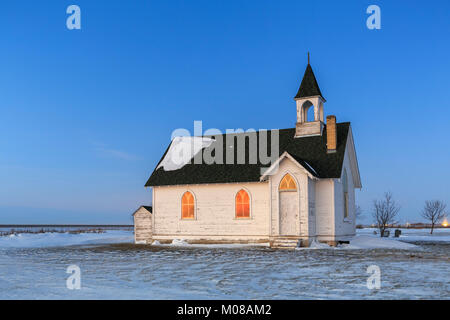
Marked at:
<point>331,134</point>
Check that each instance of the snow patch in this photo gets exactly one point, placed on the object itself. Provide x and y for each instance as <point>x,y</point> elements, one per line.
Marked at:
<point>182,150</point>
<point>179,242</point>
<point>184,243</point>
<point>52,239</point>
<point>368,242</point>
<point>318,245</point>
<point>364,242</point>
<point>309,166</point>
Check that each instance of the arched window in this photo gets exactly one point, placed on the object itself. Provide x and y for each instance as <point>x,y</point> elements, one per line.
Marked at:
<point>187,206</point>
<point>287,183</point>
<point>345,189</point>
<point>242,204</point>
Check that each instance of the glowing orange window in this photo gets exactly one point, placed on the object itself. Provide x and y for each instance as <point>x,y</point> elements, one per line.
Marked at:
<point>242,204</point>
<point>187,206</point>
<point>288,183</point>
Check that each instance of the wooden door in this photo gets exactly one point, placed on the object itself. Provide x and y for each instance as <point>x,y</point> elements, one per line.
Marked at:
<point>288,213</point>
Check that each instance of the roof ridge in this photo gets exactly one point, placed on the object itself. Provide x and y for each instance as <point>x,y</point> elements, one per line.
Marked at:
<point>256,131</point>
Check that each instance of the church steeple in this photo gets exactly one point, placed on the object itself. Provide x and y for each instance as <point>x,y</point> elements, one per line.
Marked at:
<point>309,86</point>
<point>309,95</point>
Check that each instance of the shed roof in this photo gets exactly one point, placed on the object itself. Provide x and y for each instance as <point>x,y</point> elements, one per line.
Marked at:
<point>148,208</point>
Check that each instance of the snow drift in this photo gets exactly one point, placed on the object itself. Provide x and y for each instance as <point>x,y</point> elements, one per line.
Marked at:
<point>368,242</point>
<point>40,240</point>
<point>364,242</point>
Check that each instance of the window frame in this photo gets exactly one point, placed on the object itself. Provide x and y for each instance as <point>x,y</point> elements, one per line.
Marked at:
<point>194,205</point>
<point>293,180</point>
<point>249,205</point>
<point>345,195</point>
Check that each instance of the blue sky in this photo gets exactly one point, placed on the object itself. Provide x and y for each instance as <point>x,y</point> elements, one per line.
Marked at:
<point>86,114</point>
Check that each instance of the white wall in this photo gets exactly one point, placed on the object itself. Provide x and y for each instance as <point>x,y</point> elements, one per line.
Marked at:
<point>312,207</point>
<point>325,209</point>
<point>142,226</point>
<point>214,212</point>
<point>344,226</point>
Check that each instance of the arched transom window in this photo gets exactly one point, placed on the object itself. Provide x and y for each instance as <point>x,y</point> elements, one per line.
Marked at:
<point>187,206</point>
<point>288,183</point>
<point>242,204</point>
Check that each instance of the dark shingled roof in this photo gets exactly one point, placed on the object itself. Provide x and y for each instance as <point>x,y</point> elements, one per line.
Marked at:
<point>148,208</point>
<point>310,152</point>
<point>309,86</point>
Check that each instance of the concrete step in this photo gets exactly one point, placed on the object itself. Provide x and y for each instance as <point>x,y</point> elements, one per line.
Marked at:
<point>284,243</point>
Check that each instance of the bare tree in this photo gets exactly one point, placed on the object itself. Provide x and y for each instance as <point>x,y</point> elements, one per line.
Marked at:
<point>385,212</point>
<point>434,212</point>
<point>358,212</point>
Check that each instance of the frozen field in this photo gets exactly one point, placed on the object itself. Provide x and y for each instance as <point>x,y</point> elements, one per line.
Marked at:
<point>33,266</point>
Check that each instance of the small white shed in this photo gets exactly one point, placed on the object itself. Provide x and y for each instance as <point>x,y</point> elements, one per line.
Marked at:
<point>143,225</point>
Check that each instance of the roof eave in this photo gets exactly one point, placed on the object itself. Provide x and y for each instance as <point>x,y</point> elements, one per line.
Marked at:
<point>354,162</point>
<point>285,154</point>
<point>307,97</point>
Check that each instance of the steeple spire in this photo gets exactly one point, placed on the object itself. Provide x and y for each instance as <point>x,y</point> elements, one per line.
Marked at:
<point>309,86</point>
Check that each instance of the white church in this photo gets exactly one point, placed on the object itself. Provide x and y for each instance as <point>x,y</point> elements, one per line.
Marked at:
<point>307,194</point>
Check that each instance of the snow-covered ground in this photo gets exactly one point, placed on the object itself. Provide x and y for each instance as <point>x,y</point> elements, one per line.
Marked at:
<point>440,234</point>
<point>365,242</point>
<point>365,239</point>
<point>33,266</point>
<point>41,240</point>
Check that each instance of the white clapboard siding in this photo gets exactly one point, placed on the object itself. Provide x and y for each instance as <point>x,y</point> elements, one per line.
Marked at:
<point>345,227</point>
<point>142,226</point>
<point>214,213</point>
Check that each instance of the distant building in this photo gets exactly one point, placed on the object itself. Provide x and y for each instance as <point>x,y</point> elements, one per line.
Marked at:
<point>418,225</point>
